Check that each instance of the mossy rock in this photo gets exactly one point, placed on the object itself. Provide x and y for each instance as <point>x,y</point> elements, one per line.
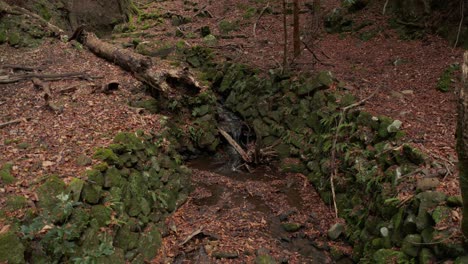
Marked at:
<point>48,192</point>
<point>75,187</point>
<point>102,214</point>
<point>91,193</point>
<point>413,154</point>
<point>113,178</point>
<point>78,222</point>
<point>384,256</point>
<point>117,257</point>
<point>126,239</point>
<point>95,177</point>
<point>11,248</point>
<point>5,173</point>
<point>411,245</point>
<point>441,213</point>
<point>426,256</point>
<point>83,160</point>
<point>150,242</point>
<point>107,155</point>
<point>291,227</point>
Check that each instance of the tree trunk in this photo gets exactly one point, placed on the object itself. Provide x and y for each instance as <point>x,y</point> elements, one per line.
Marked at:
<point>462,143</point>
<point>296,33</point>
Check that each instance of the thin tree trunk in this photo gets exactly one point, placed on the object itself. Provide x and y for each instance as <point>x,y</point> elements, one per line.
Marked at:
<point>462,143</point>
<point>296,33</point>
<point>285,28</point>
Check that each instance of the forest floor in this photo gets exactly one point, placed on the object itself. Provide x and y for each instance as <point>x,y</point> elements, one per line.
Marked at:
<point>402,75</point>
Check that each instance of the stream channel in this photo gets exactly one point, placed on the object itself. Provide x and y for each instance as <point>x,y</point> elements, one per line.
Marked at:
<point>263,216</point>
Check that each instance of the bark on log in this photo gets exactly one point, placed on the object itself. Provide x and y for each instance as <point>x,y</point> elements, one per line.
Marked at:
<point>462,143</point>
<point>169,82</point>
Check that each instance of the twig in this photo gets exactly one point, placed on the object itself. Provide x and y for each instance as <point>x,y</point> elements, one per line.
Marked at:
<point>384,7</point>
<point>194,233</point>
<point>258,19</point>
<point>333,149</point>
<point>462,8</point>
<point>18,67</point>
<point>19,120</point>
<point>315,56</point>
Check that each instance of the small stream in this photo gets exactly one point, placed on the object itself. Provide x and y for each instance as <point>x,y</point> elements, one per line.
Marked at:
<point>258,204</point>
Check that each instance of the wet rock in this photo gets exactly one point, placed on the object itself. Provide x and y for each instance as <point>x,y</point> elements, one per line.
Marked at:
<point>411,245</point>
<point>224,255</point>
<point>11,248</point>
<point>336,231</point>
<point>291,227</point>
<point>425,184</point>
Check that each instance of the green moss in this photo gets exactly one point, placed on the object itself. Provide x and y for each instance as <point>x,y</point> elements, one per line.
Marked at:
<point>43,11</point>
<point>102,214</point>
<point>226,26</point>
<point>130,140</point>
<point>5,173</point>
<point>14,38</point>
<point>11,248</point>
<point>108,156</point>
<point>16,202</point>
<point>48,192</point>
<point>445,82</point>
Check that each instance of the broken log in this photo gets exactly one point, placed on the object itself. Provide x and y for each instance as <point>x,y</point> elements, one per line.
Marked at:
<point>236,146</point>
<point>12,122</point>
<point>38,84</point>
<point>168,81</point>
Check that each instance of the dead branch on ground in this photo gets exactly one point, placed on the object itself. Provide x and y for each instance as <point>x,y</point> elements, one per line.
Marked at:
<point>45,76</point>
<point>236,146</point>
<point>258,19</point>
<point>38,84</point>
<point>12,122</point>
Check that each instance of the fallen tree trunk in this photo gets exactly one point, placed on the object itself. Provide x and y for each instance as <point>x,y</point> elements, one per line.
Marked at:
<point>169,82</point>
<point>236,146</point>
